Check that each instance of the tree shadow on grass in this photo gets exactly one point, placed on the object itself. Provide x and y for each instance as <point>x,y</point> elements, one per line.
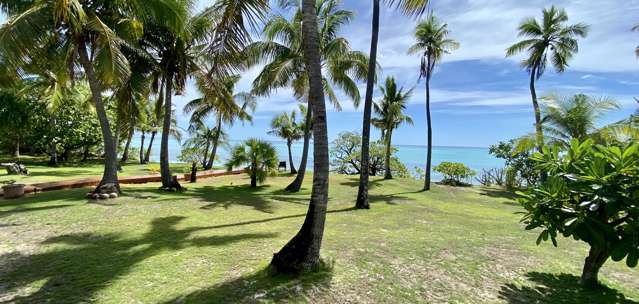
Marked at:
<point>558,288</point>
<point>263,286</point>
<point>80,265</point>
<point>353,182</point>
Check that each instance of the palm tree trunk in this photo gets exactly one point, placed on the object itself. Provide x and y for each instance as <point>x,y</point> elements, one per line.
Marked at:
<point>165,170</point>
<point>16,153</point>
<point>302,252</point>
<point>53,147</point>
<point>216,141</point>
<point>362,193</point>
<point>429,129</point>
<point>142,147</point>
<point>125,154</point>
<point>110,175</point>
<point>290,157</point>
<point>147,156</point>
<point>387,173</point>
<point>206,154</point>
<point>299,178</point>
<point>538,130</point>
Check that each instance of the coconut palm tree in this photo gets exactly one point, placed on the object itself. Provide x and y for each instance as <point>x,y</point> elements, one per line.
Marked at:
<point>285,126</point>
<point>201,137</point>
<point>218,99</point>
<point>390,115</point>
<point>302,252</point>
<point>217,35</point>
<point>84,30</point>
<point>259,157</point>
<point>550,39</point>
<point>282,53</point>
<point>575,117</point>
<point>432,43</point>
<point>410,8</point>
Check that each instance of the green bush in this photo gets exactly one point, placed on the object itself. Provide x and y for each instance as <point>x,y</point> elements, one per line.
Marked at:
<point>591,194</point>
<point>455,174</point>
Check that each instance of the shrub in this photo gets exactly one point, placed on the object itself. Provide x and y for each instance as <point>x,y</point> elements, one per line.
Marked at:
<point>454,173</point>
<point>591,194</point>
<point>346,153</point>
<point>517,161</point>
<point>259,156</point>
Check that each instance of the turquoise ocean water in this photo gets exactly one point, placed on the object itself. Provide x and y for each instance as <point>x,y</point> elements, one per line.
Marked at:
<point>411,156</point>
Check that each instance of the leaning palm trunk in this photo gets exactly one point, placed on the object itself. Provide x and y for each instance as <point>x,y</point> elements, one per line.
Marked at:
<point>206,154</point>
<point>290,156</point>
<point>141,157</point>
<point>539,133</point>
<point>302,252</point>
<point>387,168</point>
<point>216,141</point>
<point>362,194</point>
<point>168,182</point>
<point>125,154</point>
<point>299,178</point>
<point>429,129</point>
<point>147,156</point>
<point>110,175</point>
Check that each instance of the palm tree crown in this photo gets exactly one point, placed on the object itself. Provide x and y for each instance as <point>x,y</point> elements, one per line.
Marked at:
<point>390,109</point>
<point>552,38</point>
<point>432,43</point>
<point>574,117</point>
<point>282,52</point>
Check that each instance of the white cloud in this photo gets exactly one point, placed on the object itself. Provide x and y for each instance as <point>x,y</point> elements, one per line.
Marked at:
<point>485,28</point>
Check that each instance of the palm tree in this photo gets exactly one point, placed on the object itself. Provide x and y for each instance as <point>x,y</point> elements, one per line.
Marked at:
<point>552,38</point>
<point>218,98</point>
<point>78,28</point>
<point>283,55</point>
<point>259,156</point>
<point>285,126</point>
<point>408,7</point>
<point>575,117</point>
<point>302,252</point>
<point>218,34</point>
<point>390,115</point>
<point>432,43</point>
<point>202,137</point>
<point>636,28</point>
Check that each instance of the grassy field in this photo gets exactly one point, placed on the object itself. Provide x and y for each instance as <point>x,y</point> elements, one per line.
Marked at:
<point>212,244</point>
<point>40,172</point>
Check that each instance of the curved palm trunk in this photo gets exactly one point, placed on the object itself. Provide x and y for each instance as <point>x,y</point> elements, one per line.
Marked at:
<point>127,146</point>
<point>299,178</point>
<point>362,193</point>
<point>290,157</point>
<point>302,252</point>
<point>147,156</point>
<point>387,173</point>
<point>538,130</point>
<point>141,157</point>
<point>168,183</point>
<point>110,175</point>
<point>216,141</point>
<point>429,129</point>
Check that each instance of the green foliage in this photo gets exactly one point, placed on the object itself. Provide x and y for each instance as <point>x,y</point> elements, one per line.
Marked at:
<point>15,117</point>
<point>551,39</point>
<point>519,166</point>
<point>259,157</point>
<point>285,125</point>
<point>346,153</point>
<point>432,43</point>
<point>454,173</point>
<point>190,154</point>
<point>592,194</point>
<point>389,111</point>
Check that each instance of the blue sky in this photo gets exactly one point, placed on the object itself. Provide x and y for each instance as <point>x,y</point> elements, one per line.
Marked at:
<point>479,96</point>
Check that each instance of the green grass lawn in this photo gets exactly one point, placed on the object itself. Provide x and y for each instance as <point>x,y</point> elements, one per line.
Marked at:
<point>40,172</point>
<point>212,244</point>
